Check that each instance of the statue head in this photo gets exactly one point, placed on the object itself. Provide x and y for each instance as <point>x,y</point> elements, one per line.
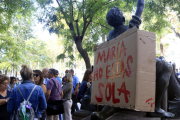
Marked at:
<point>115,17</point>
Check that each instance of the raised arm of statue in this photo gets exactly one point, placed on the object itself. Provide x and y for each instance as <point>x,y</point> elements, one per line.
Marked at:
<point>140,8</point>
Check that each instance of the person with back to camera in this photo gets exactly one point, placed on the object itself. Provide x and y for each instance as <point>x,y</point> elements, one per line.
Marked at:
<point>4,97</point>
<point>86,83</point>
<point>67,89</point>
<point>27,90</point>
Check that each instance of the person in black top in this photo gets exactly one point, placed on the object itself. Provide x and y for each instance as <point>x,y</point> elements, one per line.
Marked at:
<point>86,83</point>
<point>4,97</point>
<point>177,73</point>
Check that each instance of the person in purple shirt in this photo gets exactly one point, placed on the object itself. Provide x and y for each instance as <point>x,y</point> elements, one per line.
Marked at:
<point>52,93</point>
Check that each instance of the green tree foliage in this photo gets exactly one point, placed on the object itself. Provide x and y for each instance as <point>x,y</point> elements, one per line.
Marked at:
<point>13,31</point>
<point>12,42</point>
<point>36,54</point>
<point>83,22</point>
<point>18,46</point>
<point>157,18</point>
<point>9,9</point>
<point>74,20</point>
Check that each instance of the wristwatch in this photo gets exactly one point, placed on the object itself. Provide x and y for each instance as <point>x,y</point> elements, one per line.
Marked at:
<point>6,100</point>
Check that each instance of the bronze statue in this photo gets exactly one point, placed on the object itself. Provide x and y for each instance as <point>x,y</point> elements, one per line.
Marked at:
<point>116,19</point>
<point>174,93</point>
<point>165,74</point>
<point>164,70</point>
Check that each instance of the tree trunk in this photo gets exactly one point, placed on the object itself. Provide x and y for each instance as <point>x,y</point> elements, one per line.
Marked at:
<point>83,53</point>
<point>16,73</point>
<point>161,47</point>
<point>6,70</point>
<point>103,38</point>
<point>13,71</point>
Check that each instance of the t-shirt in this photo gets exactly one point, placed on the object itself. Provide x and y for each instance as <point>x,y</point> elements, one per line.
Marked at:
<point>67,88</point>
<point>55,95</point>
<point>75,81</point>
<point>45,81</point>
<point>4,115</point>
<point>59,79</point>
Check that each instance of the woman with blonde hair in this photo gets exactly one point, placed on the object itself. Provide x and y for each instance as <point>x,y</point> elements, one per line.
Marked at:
<point>67,89</point>
<point>18,94</point>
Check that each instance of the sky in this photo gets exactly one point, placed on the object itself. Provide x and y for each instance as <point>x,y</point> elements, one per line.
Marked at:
<point>41,33</point>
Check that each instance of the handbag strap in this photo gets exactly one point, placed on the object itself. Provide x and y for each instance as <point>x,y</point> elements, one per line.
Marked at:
<point>56,87</point>
<point>31,92</point>
<point>20,93</point>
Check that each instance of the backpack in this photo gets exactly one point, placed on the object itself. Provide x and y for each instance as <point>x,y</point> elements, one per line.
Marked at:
<point>25,111</point>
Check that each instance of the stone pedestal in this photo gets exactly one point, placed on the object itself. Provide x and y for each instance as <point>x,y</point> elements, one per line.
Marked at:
<point>80,114</point>
<point>128,115</point>
<point>132,115</point>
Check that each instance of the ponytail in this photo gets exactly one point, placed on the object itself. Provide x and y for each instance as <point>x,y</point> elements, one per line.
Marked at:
<point>26,73</point>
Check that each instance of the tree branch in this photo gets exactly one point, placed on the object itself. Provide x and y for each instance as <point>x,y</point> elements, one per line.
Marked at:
<point>102,25</point>
<point>58,3</point>
<point>62,12</point>
<point>71,11</point>
<point>78,9</point>
<point>71,21</point>
<point>86,26</point>
<point>177,34</point>
<point>77,5</point>
<point>77,28</point>
<point>106,3</point>
<point>92,5</point>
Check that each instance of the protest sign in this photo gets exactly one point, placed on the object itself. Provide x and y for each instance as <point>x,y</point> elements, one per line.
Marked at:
<point>125,71</point>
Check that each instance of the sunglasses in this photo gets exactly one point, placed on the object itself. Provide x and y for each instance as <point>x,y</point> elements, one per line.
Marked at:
<point>35,75</point>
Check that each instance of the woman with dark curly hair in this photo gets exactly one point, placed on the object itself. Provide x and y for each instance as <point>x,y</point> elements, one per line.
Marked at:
<point>38,79</point>
<point>4,97</point>
<point>13,83</point>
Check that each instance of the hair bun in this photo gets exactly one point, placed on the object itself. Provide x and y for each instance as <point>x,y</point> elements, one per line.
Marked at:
<point>24,66</point>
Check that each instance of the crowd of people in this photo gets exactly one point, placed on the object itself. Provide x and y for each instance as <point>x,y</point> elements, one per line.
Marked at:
<point>36,89</point>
